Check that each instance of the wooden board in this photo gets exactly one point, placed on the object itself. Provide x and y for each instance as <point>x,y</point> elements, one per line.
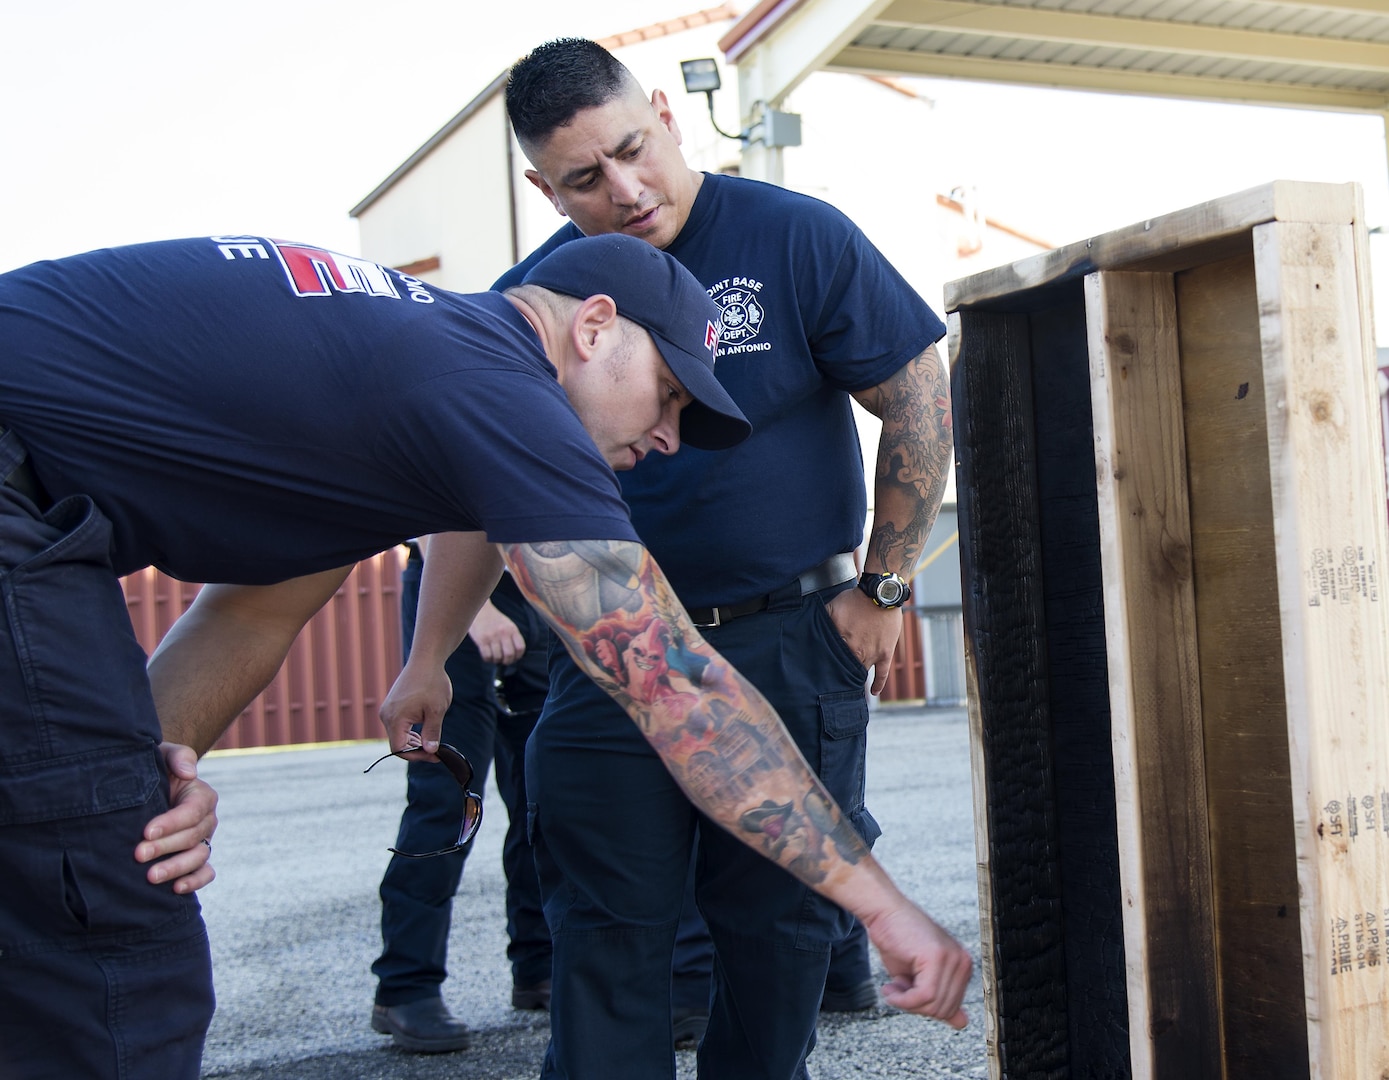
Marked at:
<point>1049,884</point>
<point>1171,242</point>
<point>1072,591</point>
<point>1245,737</point>
<point>1154,676</point>
<point>1328,500</point>
<point>1020,909</point>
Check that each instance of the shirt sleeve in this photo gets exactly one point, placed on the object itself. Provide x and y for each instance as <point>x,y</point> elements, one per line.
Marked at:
<point>868,322</point>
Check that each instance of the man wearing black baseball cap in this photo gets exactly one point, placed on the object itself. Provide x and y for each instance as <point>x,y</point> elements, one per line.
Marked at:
<point>654,291</point>
<point>261,415</point>
<point>659,303</point>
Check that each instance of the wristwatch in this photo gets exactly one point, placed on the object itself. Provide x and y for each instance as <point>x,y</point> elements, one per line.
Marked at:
<point>885,590</point>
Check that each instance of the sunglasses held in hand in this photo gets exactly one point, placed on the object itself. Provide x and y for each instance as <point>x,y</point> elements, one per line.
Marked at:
<point>462,771</point>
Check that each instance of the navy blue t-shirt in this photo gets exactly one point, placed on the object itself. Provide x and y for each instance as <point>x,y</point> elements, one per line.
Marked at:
<point>811,310</point>
<point>246,410</point>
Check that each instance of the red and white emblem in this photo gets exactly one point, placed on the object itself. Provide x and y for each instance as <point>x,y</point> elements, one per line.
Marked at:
<point>711,339</point>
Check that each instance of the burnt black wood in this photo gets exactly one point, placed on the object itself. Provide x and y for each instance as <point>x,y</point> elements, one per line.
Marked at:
<point>1033,606</point>
<point>1078,688</point>
<point>1004,624</point>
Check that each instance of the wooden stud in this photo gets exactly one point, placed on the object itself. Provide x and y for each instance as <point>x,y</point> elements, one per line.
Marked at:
<point>1154,676</point>
<point>1020,907</point>
<point>1328,503</point>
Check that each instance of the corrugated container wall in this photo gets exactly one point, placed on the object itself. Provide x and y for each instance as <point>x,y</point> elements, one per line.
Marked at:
<point>337,673</point>
<point>344,661</point>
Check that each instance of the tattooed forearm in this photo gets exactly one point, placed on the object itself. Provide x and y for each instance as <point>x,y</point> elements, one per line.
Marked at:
<point>797,838</point>
<point>721,741</point>
<point>577,580</point>
<point>914,457</point>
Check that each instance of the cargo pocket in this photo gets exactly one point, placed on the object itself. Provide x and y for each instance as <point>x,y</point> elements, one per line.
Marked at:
<point>843,745</point>
<point>161,1002</point>
<point>76,674</point>
<point>68,832</point>
<point>557,892</point>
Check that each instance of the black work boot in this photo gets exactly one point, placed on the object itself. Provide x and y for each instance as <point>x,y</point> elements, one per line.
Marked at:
<point>424,1026</point>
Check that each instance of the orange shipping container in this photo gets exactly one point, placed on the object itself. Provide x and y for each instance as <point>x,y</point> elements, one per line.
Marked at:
<point>337,673</point>
<point>344,661</point>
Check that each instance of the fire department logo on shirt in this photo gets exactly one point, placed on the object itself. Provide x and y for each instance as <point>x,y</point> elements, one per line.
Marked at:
<point>315,271</point>
<point>743,315</point>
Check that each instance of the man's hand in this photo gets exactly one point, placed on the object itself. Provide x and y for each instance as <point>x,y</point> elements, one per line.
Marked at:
<point>497,639</point>
<point>870,631</point>
<point>420,695</point>
<point>460,572</point>
<point>930,970</point>
<point>179,833</point>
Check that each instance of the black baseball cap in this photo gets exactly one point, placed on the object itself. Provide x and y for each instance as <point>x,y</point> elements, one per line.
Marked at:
<point>654,291</point>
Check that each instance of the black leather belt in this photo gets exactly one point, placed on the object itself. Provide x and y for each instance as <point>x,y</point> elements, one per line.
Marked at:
<point>835,570</point>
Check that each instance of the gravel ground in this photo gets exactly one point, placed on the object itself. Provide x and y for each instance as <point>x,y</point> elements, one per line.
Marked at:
<point>294,918</point>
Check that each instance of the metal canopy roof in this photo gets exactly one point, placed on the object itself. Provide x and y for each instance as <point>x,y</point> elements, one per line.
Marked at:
<point>1331,54</point>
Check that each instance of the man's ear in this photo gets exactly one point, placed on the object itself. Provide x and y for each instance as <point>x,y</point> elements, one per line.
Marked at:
<point>546,190</point>
<point>595,319</point>
<point>660,103</point>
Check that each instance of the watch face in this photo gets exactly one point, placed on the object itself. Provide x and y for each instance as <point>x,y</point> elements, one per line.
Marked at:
<point>889,592</point>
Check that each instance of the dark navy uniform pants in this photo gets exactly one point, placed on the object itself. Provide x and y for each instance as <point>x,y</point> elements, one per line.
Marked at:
<point>613,835</point>
<point>102,975</point>
<point>692,969</point>
<point>417,894</point>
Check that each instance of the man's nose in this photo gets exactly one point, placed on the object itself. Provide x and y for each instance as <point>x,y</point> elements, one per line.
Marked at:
<point>665,436</point>
<point>626,187</point>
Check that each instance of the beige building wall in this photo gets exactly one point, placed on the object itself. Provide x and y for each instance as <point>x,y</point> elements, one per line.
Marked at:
<point>452,206</point>
<point>465,200</point>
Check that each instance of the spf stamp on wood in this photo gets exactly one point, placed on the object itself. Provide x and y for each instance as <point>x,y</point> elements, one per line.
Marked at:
<point>1173,539</point>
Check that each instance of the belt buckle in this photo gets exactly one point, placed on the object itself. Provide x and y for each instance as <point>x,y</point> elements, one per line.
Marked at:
<point>710,625</point>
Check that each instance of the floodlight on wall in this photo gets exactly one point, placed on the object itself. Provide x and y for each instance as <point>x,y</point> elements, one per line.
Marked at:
<point>772,128</point>
<point>701,76</point>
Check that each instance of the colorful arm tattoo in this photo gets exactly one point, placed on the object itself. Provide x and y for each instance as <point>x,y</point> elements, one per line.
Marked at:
<point>722,742</point>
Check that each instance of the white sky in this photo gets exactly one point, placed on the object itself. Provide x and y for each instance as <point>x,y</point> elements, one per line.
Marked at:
<point>130,120</point>
<point>144,119</point>
<point>1067,165</point>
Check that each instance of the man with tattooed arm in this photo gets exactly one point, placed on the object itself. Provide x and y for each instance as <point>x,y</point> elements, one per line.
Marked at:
<point>260,415</point>
<point>757,543</point>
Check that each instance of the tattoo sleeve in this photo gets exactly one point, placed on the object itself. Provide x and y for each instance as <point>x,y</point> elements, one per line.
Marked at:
<point>722,742</point>
<point>914,457</point>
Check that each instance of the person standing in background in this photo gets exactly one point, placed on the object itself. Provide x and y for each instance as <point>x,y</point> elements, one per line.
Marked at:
<point>499,676</point>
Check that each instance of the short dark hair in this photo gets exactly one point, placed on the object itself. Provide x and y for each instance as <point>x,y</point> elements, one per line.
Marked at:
<point>555,81</point>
